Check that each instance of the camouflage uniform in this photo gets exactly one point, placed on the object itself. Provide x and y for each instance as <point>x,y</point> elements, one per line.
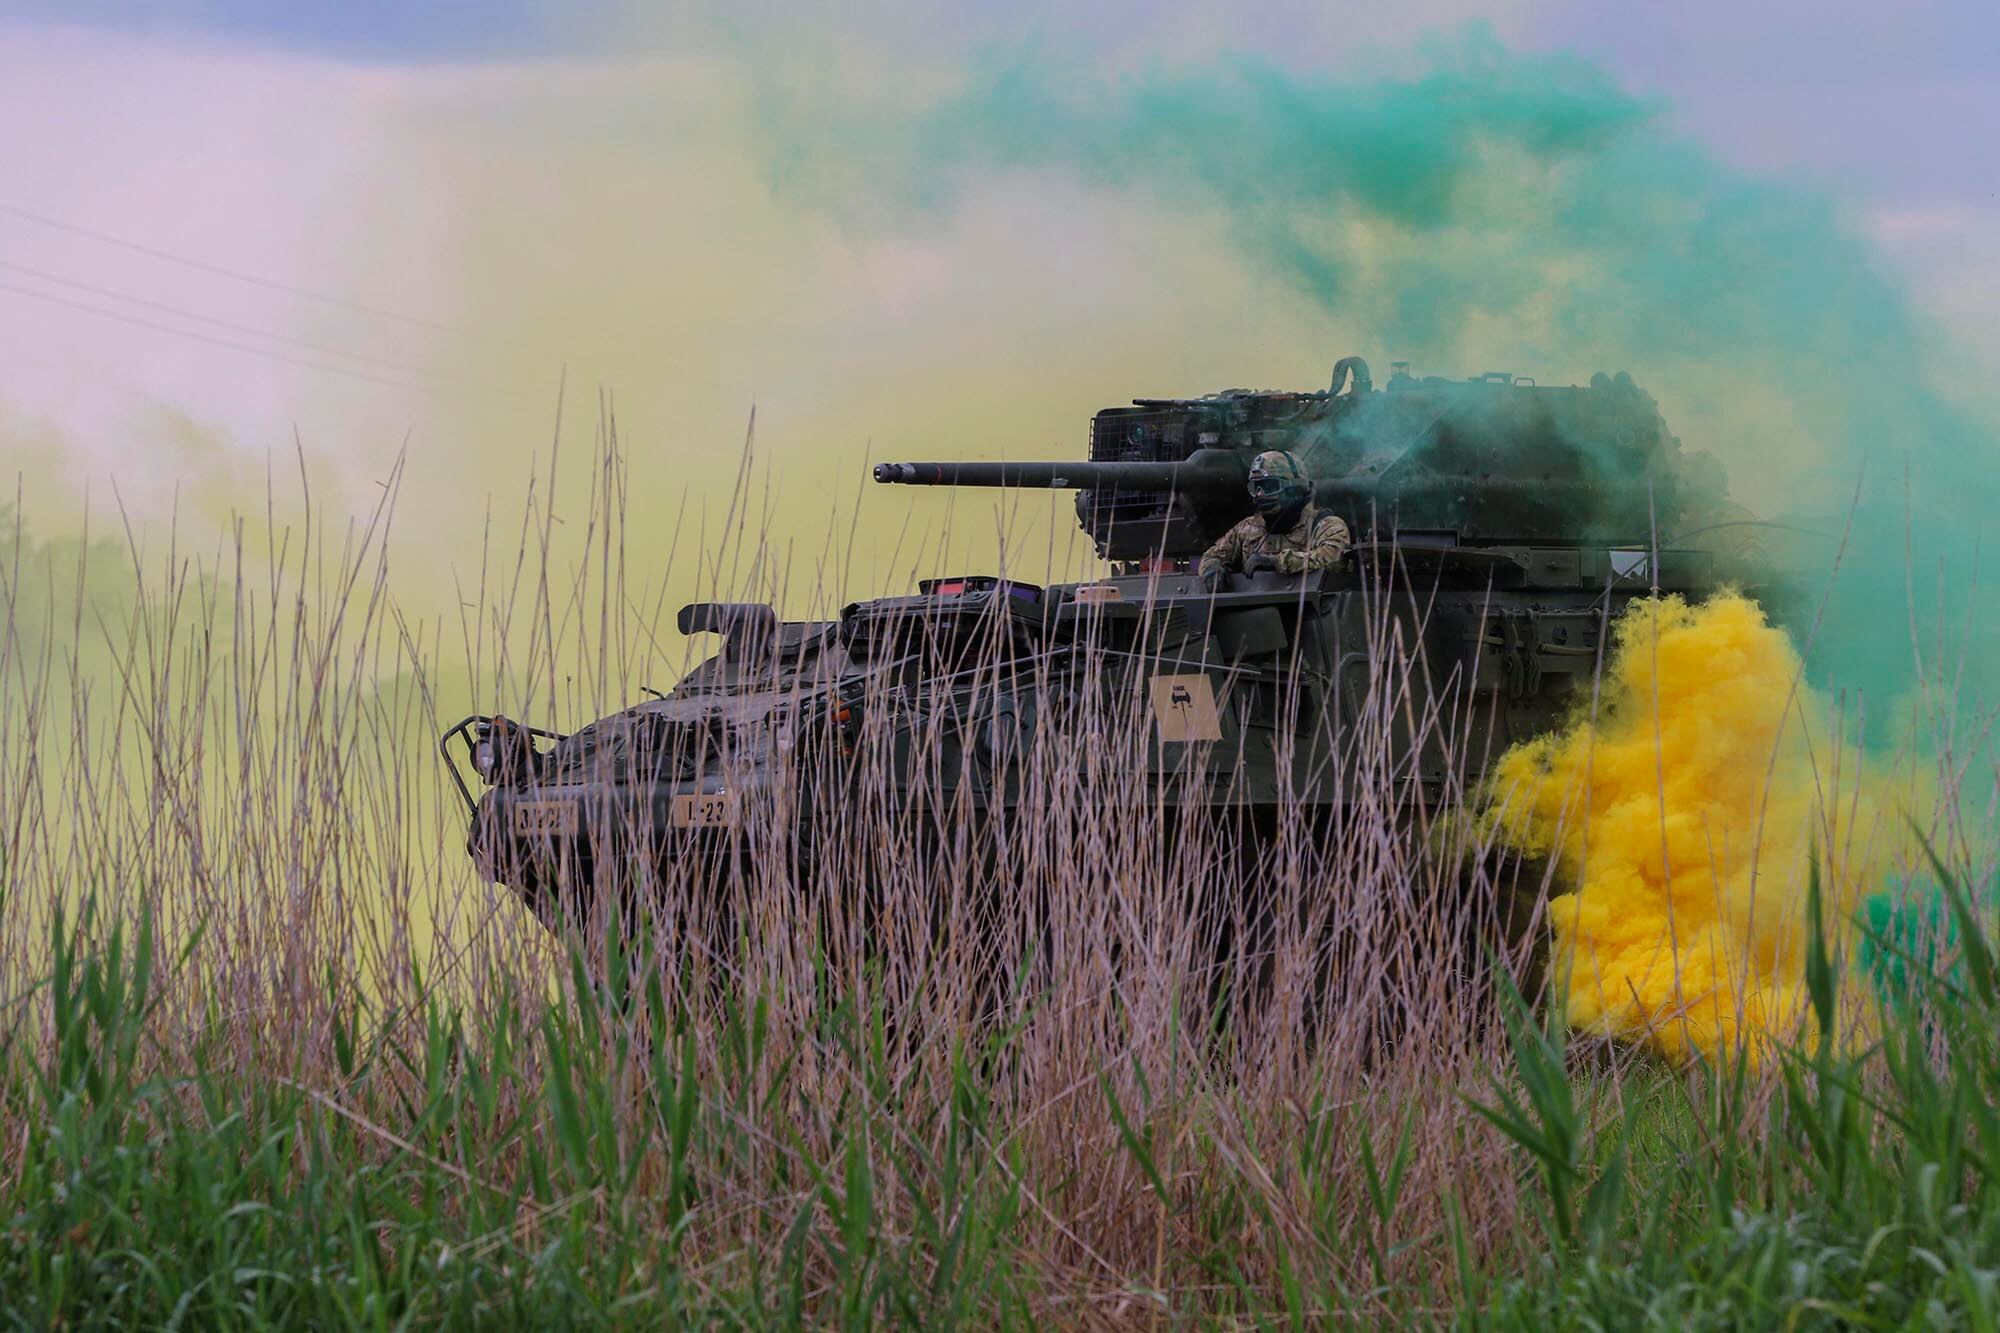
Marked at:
<point>1318,540</point>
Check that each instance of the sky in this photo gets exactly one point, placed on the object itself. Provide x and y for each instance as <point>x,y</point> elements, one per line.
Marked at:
<point>231,232</point>
<point>1890,107</point>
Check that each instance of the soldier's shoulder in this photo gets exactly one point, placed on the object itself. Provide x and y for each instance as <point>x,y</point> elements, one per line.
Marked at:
<point>1326,518</point>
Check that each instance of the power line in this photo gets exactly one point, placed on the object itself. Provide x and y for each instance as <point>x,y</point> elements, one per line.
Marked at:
<point>290,289</point>
<point>190,334</point>
<point>270,284</point>
<point>178,313</point>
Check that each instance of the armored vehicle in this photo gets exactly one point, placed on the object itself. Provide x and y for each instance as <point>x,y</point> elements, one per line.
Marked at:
<point>1499,526</point>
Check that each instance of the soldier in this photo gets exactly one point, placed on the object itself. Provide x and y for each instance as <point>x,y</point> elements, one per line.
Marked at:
<point>1288,533</point>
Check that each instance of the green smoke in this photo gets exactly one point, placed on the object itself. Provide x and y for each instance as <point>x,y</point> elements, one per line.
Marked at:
<point>1515,211</point>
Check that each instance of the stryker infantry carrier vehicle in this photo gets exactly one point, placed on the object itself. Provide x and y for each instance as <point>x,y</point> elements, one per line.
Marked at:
<point>1499,525</point>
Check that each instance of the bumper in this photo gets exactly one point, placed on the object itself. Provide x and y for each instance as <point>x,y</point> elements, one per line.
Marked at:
<point>529,837</point>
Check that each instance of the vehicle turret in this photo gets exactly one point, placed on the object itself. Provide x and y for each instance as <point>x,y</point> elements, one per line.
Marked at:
<point>1489,460</point>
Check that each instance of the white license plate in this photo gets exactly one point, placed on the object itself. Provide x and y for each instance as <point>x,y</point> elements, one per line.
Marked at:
<point>534,819</point>
<point>705,811</point>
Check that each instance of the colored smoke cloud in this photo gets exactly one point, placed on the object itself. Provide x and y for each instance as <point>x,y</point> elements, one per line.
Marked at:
<point>1683,815</point>
<point>925,251</point>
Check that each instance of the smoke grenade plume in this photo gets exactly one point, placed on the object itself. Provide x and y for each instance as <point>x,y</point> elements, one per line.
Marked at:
<point>1682,814</point>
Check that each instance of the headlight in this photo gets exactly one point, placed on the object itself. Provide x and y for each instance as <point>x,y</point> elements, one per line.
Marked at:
<point>504,753</point>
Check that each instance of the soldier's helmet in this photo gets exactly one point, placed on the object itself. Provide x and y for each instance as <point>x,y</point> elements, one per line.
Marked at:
<point>1278,482</point>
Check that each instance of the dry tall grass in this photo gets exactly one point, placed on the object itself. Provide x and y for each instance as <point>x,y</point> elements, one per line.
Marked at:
<point>953,1015</point>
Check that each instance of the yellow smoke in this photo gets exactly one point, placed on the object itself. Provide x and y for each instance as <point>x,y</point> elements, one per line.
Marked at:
<point>1682,813</point>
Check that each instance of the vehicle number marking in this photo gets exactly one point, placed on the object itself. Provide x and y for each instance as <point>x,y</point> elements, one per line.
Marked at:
<point>708,810</point>
<point>1184,707</point>
<point>545,819</point>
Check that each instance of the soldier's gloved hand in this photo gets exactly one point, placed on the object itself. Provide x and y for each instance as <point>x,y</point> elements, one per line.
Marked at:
<point>1261,564</point>
<point>1214,577</point>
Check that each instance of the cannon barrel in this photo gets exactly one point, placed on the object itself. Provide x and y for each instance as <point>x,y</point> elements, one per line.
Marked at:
<point>1214,477</point>
<point>1206,472</point>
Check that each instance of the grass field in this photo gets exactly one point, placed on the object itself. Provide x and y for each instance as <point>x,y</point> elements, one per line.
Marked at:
<point>271,1055</point>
